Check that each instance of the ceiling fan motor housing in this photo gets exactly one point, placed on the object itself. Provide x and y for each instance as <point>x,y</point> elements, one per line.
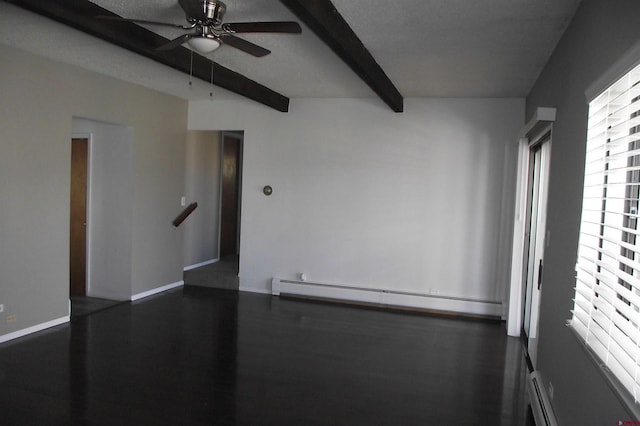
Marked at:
<point>214,11</point>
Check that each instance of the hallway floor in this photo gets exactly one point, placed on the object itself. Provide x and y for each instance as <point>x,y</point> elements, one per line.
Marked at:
<point>197,355</point>
<point>222,274</point>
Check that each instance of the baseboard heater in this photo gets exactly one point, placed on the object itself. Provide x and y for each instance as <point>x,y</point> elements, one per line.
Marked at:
<point>539,400</point>
<point>382,297</point>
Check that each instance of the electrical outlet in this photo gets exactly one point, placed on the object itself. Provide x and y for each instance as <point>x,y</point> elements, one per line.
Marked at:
<point>1,307</point>
<point>550,390</point>
<point>11,318</point>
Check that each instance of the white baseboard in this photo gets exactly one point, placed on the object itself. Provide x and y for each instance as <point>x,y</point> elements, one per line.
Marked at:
<point>254,290</point>
<point>388,297</point>
<point>34,329</point>
<point>539,401</point>
<point>197,265</point>
<point>157,290</point>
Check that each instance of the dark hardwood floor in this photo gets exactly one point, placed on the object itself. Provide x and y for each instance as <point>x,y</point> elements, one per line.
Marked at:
<point>205,356</point>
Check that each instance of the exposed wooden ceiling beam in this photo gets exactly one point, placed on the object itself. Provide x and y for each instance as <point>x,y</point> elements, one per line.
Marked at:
<point>81,15</point>
<point>323,18</point>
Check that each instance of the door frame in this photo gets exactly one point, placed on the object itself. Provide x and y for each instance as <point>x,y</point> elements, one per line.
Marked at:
<point>540,124</point>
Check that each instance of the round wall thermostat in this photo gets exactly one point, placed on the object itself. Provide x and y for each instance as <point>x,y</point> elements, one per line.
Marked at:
<point>268,190</point>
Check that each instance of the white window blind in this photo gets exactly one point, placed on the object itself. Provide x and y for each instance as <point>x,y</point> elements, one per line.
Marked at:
<point>606,311</point>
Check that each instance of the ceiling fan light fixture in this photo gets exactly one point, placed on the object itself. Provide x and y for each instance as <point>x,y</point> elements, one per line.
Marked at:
<point>204,44</point>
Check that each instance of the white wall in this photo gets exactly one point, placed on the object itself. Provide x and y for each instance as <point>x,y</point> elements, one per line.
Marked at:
<point>202,185</point>
<point>110,212</point>
<point>367,197</point>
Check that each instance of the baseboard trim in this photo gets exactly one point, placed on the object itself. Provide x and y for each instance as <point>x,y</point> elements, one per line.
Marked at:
<point>249,289</point>
<point>391,298</point>
<point>197,265</point>
<point>156,291</point>
<point>34,329</point>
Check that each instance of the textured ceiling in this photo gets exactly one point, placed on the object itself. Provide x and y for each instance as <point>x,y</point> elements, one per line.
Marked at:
<point>444,48</point>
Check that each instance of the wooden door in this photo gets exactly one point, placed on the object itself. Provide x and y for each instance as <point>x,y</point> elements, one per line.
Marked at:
<point>230,195</point>
<point>78,219</point>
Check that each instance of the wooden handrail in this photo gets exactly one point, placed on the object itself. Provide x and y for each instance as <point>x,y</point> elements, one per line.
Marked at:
<point>186,212</point>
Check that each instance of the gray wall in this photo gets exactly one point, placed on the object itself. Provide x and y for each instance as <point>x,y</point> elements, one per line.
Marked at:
<point>202,185</point>
<point>39,99</point>
<point>598,36</point>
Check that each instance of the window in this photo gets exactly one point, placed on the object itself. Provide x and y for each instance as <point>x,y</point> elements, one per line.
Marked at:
<point>606,310</point>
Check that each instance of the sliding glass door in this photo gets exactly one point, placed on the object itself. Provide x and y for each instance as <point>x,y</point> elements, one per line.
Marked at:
<point>539,157</point>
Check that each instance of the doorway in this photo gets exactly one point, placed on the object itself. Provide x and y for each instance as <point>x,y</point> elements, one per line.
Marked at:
<point>81,304</point>
<point>535,238</point>
<point>212,235</point>
<point>230,194</point>
<point>101,214</point>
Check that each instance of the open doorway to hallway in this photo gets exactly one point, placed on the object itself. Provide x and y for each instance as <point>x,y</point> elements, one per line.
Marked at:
<point>101,215</point>
<point>212,234</point>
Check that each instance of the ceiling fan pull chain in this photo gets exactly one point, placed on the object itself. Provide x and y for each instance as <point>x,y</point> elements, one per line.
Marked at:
<point>191,69</point>
<point>211,92</point>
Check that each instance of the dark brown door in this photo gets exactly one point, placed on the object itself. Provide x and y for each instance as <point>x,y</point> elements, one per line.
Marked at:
<point>229,207</point>
<point>78,221</point>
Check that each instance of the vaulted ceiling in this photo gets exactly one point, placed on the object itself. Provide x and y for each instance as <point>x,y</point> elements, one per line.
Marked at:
<point>422,48</point>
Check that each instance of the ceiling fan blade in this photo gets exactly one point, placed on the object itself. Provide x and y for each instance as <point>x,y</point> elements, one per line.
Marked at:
<point>141,21</point>
<point>244,45</point>
<point>193,9</point>
<point>288,27</point>
<point>176,42</point>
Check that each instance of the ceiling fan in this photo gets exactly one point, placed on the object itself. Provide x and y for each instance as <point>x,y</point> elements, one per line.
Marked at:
<point>205,18</point>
